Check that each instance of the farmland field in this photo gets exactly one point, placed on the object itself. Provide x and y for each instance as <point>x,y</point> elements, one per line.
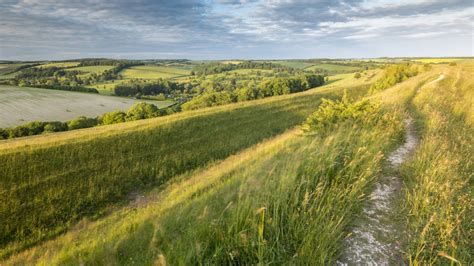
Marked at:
<point>8,70</point>
<point>436,60</point>
<point>91,69</point>
<point>153,72</point>
<point>333,67</point>
<point>21,105</point>
<point>293,64</point>
<point>59,64</point>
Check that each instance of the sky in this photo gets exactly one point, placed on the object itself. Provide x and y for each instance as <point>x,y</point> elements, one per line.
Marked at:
<point>234,29</point>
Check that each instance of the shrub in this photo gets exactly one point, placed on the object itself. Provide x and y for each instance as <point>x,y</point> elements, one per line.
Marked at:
<point>55,126</point>
<point>113,118</point>
<point>3,133</point>
<point>82,122</point>
<point>209,99</point>
<point>394,74</point>
<point>141,111</point>
<point>357,75</point>
<point>28,129</point>
<point>331,112</point>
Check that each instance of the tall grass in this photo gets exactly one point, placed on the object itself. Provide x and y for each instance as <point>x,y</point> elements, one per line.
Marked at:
<point>288,201</point>
<point>46,186</point>
<point>438,199</point>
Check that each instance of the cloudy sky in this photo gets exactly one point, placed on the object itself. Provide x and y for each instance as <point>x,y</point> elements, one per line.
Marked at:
<point>226,29</point>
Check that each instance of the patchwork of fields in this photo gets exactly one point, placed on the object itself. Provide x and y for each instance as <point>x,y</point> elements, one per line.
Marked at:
<point>21,105</point>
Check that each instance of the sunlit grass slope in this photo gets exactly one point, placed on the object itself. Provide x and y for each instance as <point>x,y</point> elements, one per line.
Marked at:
<point>439,196</point>
<point>49,182</point>
<point>287,200</point>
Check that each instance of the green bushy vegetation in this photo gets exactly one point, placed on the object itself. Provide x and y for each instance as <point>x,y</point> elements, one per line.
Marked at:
<point>332,113</point>
<point>218,67</point>
<point>394,74</point>
<point>58,184</point>
<point>252,91</point>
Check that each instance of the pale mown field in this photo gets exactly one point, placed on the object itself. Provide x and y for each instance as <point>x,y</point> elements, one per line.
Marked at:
<point>22,105</point>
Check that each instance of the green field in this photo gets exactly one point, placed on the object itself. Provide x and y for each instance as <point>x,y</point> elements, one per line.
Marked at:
<point>19,105</point>
<point>7,71</point>
<point>294,64</point>
<point>60,64</point>
<point>91,69</point>
<point>153,72</point>
<point>333,67</point>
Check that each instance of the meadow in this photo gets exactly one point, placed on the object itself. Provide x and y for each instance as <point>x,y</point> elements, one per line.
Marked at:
<point>334,68</point>
<point>91,69</point>
<point>7,71</point>
<point>21,105</point>
<point>153,72</point>
<point>82,182</point>
<point>59,64</point>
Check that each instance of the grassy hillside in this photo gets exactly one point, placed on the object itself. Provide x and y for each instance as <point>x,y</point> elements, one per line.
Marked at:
<point>287,200</point>
<point>48,183</point>
<point>291,199</point>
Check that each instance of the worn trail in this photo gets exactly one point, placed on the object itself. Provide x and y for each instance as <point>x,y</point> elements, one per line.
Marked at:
<point>376,237</point>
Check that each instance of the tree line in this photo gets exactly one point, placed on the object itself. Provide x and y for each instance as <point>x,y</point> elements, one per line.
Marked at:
<point>253,90</point>
<point>216,68</point>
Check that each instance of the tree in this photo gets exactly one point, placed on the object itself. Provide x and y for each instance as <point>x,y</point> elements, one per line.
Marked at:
<point>55,126</point>
<point>141,111</point>
<point>81,122</point>
<point>113,118</point>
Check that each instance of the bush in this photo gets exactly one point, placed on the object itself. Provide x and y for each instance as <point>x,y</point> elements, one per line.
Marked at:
<point>209,99</point>
<point>3,133</point>
<point>113,118</point>
<point>357,75</point>
<point>394,74</point>
<point>29,129</point>
<point>332,112</point>
<point>55,126</point>
<point>82,122</point>
<point>141,111</point>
